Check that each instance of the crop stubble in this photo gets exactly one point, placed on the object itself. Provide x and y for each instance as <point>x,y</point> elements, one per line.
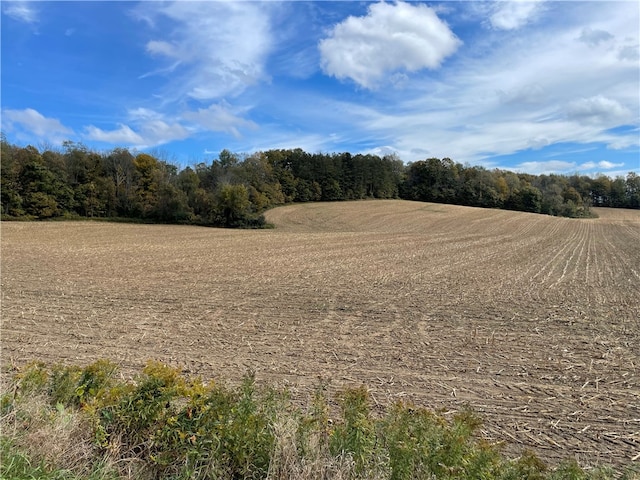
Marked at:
<point>531,320</point>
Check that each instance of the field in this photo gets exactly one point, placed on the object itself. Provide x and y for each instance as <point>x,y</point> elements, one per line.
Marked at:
<point>533,321</point>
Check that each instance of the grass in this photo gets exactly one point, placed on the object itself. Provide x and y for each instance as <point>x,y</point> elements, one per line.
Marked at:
<point>16,464</point>
<point>71,423</point>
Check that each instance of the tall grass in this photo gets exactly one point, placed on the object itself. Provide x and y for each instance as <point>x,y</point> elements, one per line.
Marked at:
<point>71,423</point>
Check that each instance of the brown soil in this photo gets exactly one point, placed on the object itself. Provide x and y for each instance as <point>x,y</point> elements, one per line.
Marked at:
<point>531,320</point>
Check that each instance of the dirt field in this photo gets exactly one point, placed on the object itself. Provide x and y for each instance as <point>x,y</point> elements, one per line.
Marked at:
<point>531,320</point>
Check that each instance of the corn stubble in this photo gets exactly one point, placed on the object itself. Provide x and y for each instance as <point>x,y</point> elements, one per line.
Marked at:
<point>529,320</point>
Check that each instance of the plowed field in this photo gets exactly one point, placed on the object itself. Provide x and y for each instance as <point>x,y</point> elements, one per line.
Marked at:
<point>533,321</point>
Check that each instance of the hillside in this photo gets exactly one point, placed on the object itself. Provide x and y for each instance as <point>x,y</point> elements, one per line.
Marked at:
<point>531,320</point>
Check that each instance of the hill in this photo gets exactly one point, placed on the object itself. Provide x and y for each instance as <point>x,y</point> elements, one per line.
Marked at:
<point>531,320</point>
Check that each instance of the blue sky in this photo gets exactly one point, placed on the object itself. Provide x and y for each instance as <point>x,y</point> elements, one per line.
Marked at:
<point>537,86</point>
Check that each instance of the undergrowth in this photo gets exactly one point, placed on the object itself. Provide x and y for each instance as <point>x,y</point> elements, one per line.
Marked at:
<point>71,423</point>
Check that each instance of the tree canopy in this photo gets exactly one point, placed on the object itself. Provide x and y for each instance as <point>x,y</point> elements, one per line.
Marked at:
<point>234,190</point>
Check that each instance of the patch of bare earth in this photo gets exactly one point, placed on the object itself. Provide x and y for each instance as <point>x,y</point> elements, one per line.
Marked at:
<point>531,320</point>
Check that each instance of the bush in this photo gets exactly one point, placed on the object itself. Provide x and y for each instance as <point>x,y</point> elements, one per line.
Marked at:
<point>355,433</point>
<point>72,422</point>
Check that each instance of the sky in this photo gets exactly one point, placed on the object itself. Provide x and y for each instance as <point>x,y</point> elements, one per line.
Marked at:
<point>529,86</point>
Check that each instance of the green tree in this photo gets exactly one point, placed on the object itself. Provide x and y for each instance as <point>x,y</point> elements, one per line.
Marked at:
<point>120,181</point>
<point>632,189</point>
<point>600,191</point>
<point>83,170</point>
<point>308,191</point>
<point>233,205</point>
<point>148,183</point>
<point>171,205</point>
<point>228,159</point>
<point>282,170</point>
<point>526,199</point>
<point>617,193</point>
<point>44,193</point>
<point>572,194</point>
<point>10,185</point>
<point>257,174</point>
<point>502,188</point>
<point>553,199</point>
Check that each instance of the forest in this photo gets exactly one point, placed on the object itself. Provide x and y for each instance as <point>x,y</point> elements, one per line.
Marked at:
<point>234,190</point>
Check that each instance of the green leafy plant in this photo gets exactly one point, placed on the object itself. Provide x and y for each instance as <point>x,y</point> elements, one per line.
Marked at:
<point>355,434</point>
<point>162,425</point>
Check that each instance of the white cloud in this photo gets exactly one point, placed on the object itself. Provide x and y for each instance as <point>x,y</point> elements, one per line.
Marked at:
<point>157,47</point>
<point>278,139</point>
<point>20,10</point>
<point>514,14</point>
<point>598,167</point>
<point>540,88</point>
<point>588,166</point>
<point>390,38</point>
<point>528,94</point>
<point>502,93</point>
<point>123,135</point>
<point>158,132</point>
<point>220,47</point>
<point>382,151</point>
<point>29,123</point>
<point>151,130</point>
<point>545,168</point>
<point>622,142</point>
<point>564,167</point>
<point>161,71</point>
<point>594,37</point>
<point>598,110</point>
<point>142,113</point>
<point>220,118</point>
<point>606,165</point>
<point>629,52</point>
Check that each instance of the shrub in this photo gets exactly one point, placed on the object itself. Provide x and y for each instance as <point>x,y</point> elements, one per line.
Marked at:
<point>72,422</point>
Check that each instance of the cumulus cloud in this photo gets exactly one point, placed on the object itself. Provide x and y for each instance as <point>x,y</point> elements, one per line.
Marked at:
<point>150,130</point>
<point>21,11</point>
<point>591,168</point>
<point>514,14</point>
<point>597,110</point>
<point>220,118</point>
<point>629,52</point>
<point>388,39</point>
<point>30,122</point>
<point>594,37</point>
<point>123,135</point>
<point>546,167</point>
<point>221,47</point>
<point>159,132</point>
<point>606,165</point>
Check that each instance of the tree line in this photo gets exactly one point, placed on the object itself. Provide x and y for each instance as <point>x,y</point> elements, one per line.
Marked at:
<point>444,181</point>
<point>234,190</point>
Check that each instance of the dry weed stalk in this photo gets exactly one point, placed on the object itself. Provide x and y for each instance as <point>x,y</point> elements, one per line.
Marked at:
<point>51,436</point>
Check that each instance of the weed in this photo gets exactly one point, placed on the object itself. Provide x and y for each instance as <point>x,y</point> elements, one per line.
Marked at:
<point>355,433</point>
<point>71,422</point>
